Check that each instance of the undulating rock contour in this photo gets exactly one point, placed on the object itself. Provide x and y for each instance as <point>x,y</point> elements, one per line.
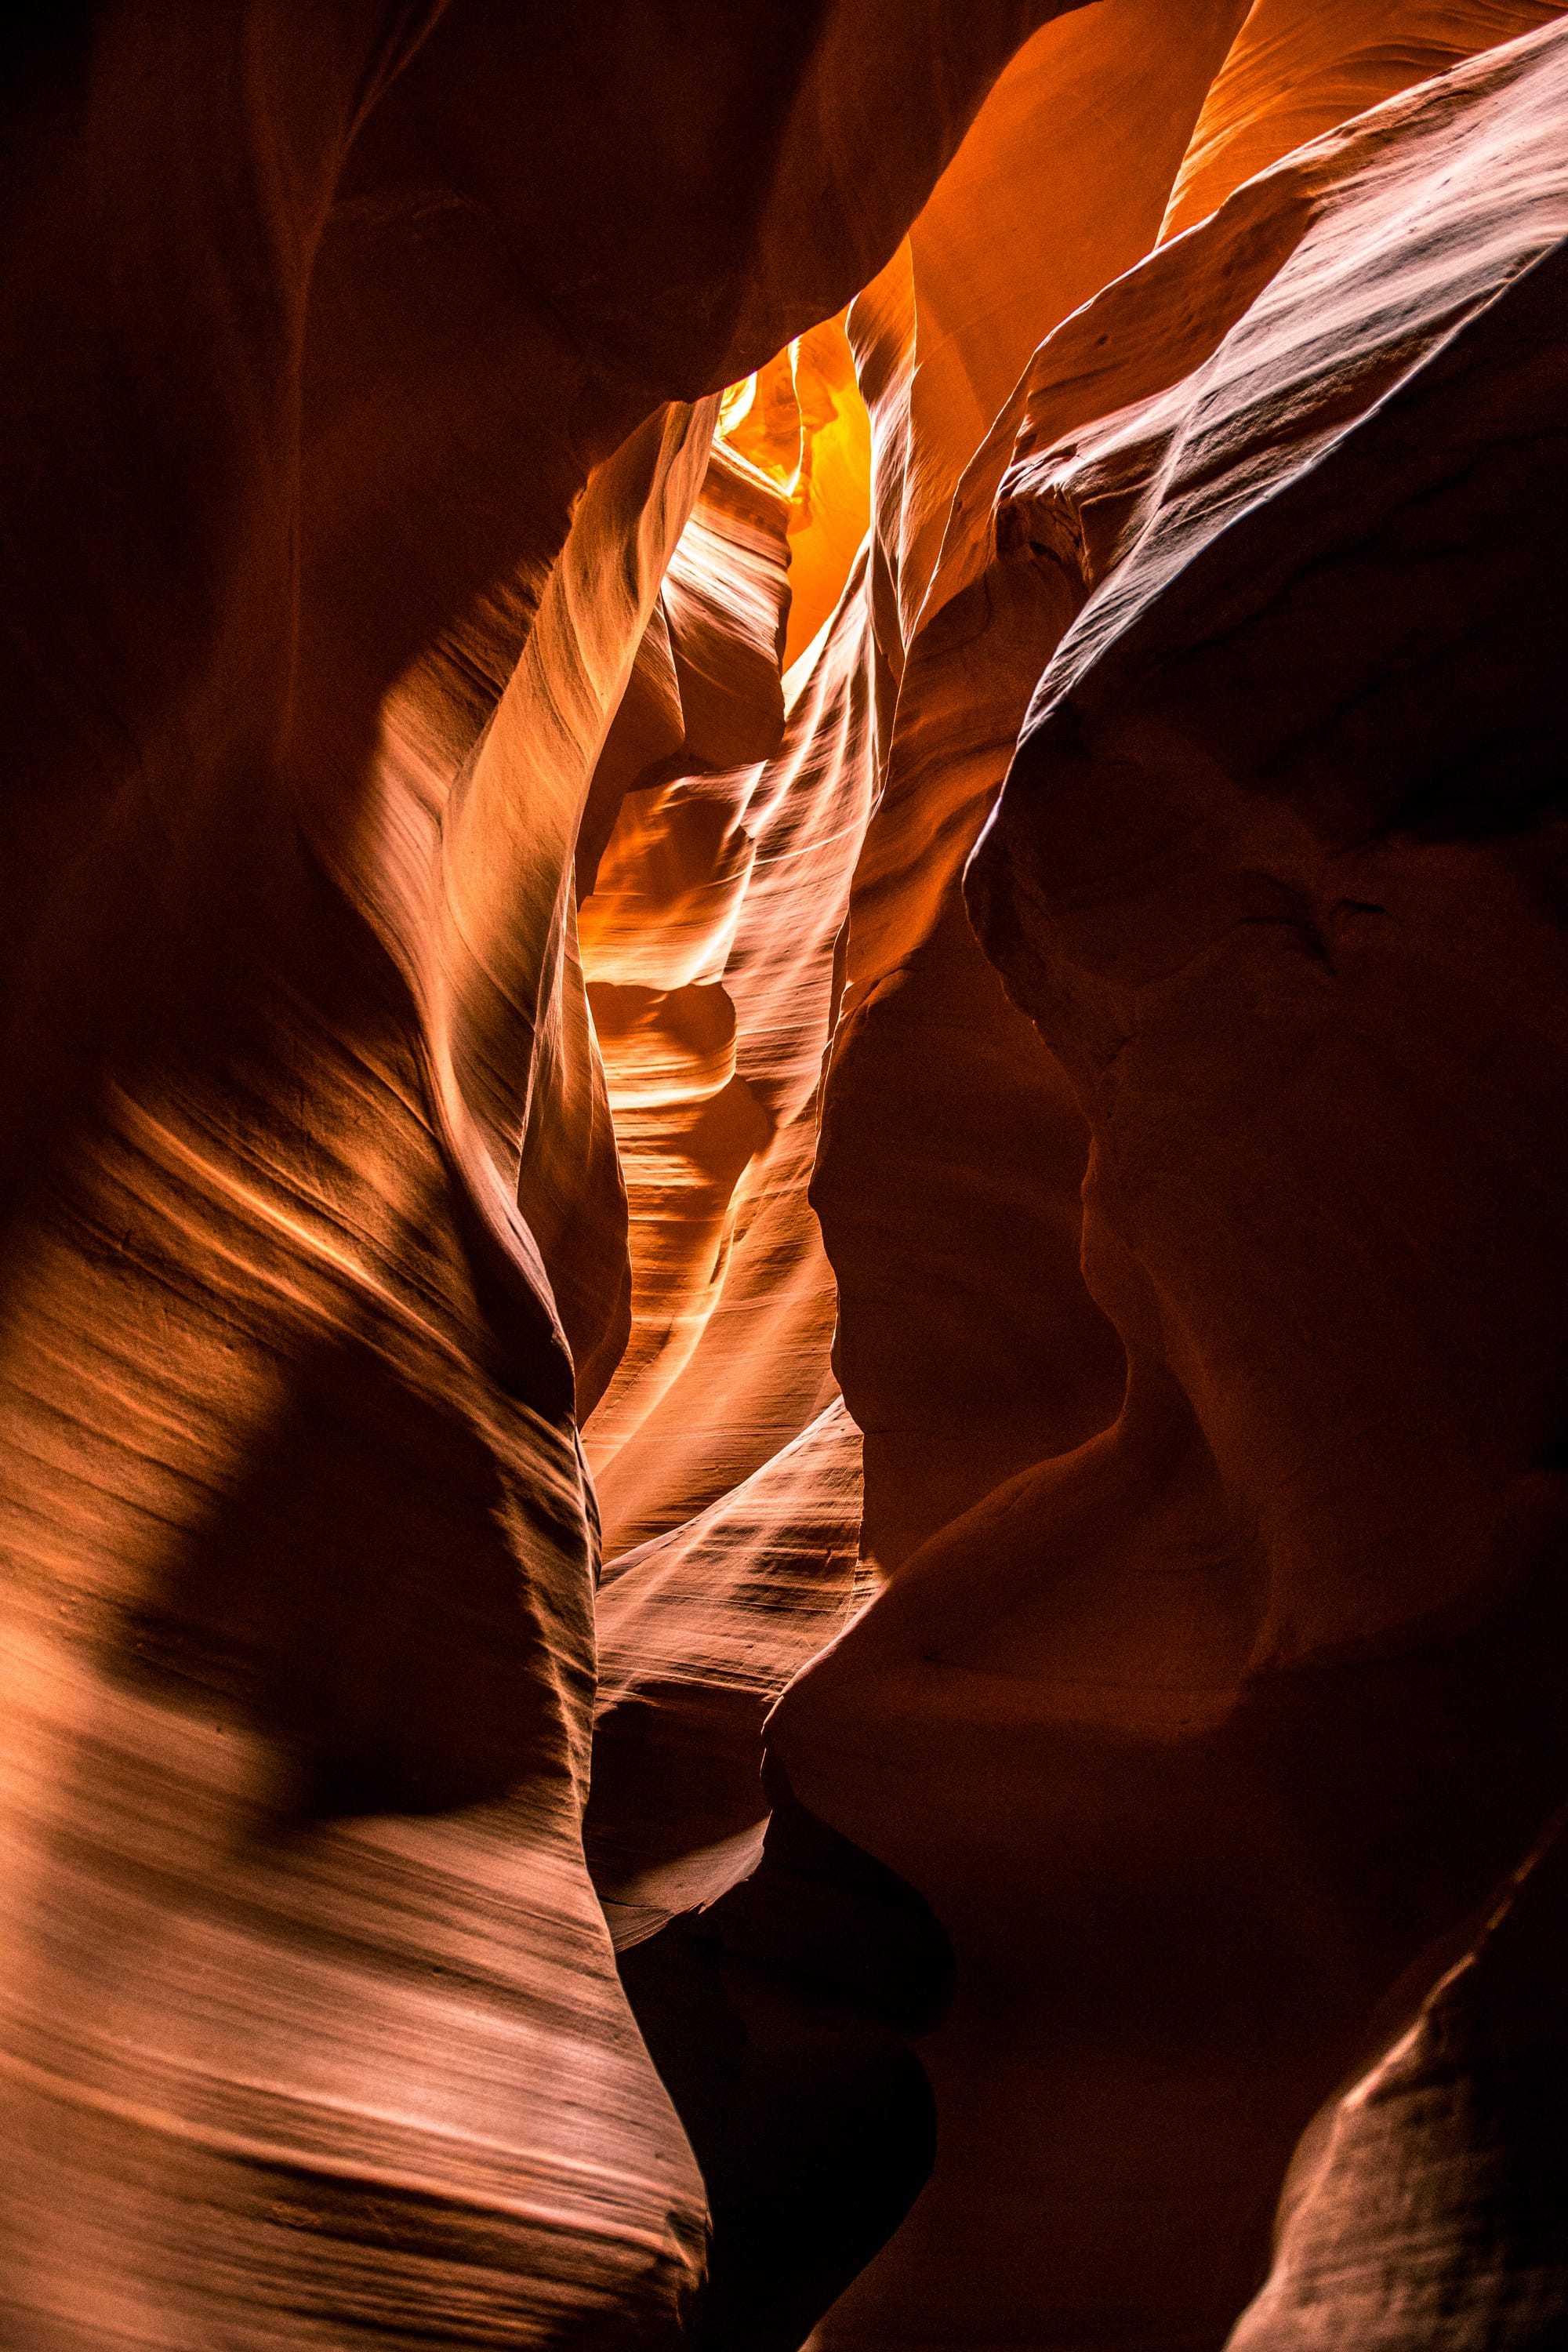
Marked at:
<point>786,1015</point>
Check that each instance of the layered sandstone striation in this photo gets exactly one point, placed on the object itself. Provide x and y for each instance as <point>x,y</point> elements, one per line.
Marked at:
<point>1278,808</point>
<point>784,994</point>
<point>347,456</point>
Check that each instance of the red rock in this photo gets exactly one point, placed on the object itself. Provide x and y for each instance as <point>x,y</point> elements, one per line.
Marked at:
<point>1246,885</point>
<point>339,481</point>
<point>1299,68</point>
<point>480,847</point>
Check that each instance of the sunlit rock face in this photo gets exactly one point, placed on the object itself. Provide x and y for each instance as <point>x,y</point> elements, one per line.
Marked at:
<point>370,362</point>
<point>1203,1735</point>
<point>782,1354</point>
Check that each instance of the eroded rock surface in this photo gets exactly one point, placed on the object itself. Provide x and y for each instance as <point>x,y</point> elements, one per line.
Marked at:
<point>348,449</point>
<point>784,788</point>
<point>1296,1551</point>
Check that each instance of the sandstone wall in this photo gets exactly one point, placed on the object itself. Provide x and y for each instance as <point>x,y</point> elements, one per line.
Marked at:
<point>783,962</point>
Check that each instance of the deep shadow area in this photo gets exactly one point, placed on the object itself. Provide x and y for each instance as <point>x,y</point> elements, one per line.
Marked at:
<point>780,2019</point>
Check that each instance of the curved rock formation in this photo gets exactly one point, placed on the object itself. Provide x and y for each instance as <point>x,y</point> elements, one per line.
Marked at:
<point>732,887</point>
<point>622,637</point>
<point>1241,880</point>
<point>1420,2209</point>
<point>1299,68</point>
<point>349,456</point>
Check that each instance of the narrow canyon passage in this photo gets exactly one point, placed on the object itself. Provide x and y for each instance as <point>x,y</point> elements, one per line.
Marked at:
<point>785,1009</point>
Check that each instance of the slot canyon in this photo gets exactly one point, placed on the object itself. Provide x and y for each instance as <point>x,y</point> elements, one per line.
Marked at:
<point>784,1351</point>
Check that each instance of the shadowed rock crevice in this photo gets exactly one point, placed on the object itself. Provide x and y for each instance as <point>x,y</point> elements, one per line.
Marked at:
<point>780,2019</point>
<point>784,1016</point>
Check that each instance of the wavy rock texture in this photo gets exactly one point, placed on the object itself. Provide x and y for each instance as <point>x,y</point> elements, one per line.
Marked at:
<point>1276,787</point>
<point>608,622</point>
<point>700,1632</point>
<point>340,482</point>
<point>735,1361</point>
<point>1419,2209</point>
<point>1299,68</point>
<point>657,930</point>
<point>774,1971</point>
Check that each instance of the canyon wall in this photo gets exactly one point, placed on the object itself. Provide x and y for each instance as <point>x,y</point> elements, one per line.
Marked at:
<point>1267,1674</point>
<point>783,1451</point>
<point>366,364</point>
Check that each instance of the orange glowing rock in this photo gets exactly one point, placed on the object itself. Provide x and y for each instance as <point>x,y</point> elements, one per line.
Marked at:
<point>1243,864</point>
<point>1301,66</point>
<point>1121,85</point>
<point>830,506</point>
<point>700,1630</point>
<point>341,484</point>
<point>906,615</point>
<point>786,832</point>
<point>658,927</point>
